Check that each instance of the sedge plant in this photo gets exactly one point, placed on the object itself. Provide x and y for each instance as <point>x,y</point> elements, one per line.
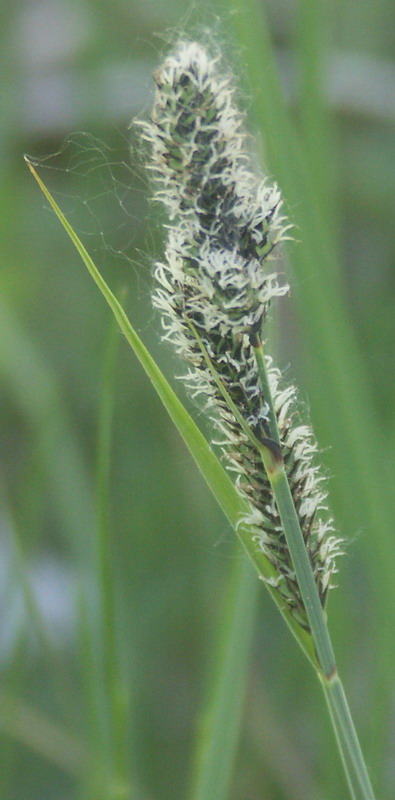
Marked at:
<point>214,288</point>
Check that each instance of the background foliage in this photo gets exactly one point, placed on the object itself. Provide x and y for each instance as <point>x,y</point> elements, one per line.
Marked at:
<point>86,706</point>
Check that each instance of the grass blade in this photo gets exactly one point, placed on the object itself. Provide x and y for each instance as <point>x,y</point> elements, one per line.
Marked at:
<point>221,718</point>
<point>115,697</point>
<point>214,474</point>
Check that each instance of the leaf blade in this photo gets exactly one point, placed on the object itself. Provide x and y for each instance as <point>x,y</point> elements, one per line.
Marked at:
<point>217,479</point>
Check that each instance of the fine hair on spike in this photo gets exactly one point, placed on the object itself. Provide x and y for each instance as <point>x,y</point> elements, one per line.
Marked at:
<point>214,287</point>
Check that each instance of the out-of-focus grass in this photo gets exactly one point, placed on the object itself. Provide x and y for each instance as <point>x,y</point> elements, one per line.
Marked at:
<point>171,549</point>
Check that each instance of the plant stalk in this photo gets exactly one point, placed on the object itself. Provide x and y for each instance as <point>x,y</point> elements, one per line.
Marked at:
<point>347,739</point>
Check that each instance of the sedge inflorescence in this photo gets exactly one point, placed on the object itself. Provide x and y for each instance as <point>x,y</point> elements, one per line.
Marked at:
<point>224,226</point>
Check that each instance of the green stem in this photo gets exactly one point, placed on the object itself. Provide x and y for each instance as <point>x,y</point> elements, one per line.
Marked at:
<point>303,570</point>
<point>347,739</point>
<point>342,748</point>
<point>265,386</point>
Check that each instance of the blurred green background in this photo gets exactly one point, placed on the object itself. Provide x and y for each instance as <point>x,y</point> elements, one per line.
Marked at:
<point>73,75</point>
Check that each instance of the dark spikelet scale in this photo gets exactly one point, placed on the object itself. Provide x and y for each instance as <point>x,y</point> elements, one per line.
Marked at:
<point>225,224</point>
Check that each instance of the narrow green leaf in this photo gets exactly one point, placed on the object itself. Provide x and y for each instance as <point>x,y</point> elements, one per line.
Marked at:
<point>114,696</point>
<point>214,474</point>
<point>221,717</point>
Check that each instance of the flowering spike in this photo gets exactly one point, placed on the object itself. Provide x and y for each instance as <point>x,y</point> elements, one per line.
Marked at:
<point>225,225</point>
